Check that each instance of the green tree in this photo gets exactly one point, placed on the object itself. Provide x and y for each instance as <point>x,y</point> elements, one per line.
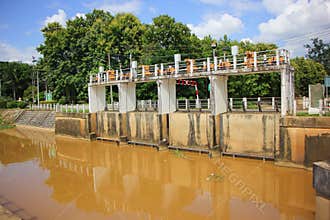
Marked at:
<point>319,52</point>
<point>307,72</point>
<point>15,78</point>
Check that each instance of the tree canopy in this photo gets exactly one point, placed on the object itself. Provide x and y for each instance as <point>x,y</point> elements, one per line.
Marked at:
<point>319,51</point>
<point>72,52</point>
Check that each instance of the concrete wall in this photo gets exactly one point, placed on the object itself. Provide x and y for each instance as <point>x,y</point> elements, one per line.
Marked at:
<point>144,127</point>
<point>304,140</point>
<point>253,134</point>
<point>108,124</point>
<point>191,129</point>
<point>73,124</point>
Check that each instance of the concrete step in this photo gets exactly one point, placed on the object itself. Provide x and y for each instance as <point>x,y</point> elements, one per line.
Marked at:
<point>45,119</point>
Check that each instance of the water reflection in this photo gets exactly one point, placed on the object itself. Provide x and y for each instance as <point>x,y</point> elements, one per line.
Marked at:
<point>84,180</point>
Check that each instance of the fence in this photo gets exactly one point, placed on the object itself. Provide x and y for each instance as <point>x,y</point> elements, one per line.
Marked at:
<point>70,108</point>
<point>264,104</point>
<point>247,62</point>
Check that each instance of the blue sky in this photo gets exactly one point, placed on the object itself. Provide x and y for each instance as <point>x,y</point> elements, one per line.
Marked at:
<point>289,23</point>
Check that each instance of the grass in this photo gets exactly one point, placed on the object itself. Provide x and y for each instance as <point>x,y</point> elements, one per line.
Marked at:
<point>5,125</point>
<point>74,110</point>
<point>305,114</point>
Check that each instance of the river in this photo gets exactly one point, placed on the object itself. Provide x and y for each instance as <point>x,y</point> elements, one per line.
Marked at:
<point>63,178</point>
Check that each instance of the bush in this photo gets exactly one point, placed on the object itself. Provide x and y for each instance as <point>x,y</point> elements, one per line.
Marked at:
<point>48,102</point>
<point>22,104</point>
<point>3,103</point>
<point>12,104</point>
<point>82,102</point>
<point>63,100</point>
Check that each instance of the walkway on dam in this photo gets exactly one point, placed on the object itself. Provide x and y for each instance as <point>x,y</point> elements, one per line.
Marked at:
<point>242,64</point>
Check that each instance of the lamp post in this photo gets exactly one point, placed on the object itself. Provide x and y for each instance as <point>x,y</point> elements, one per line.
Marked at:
<point>34,61</point>
<point>214,46</point>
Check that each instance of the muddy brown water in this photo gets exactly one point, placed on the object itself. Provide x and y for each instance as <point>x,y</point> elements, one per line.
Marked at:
<point>62,178</point>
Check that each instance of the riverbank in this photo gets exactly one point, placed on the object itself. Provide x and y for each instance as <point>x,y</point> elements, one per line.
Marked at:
<point>5,214</point>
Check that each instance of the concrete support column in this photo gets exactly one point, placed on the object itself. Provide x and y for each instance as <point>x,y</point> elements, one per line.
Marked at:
<point>284,92</point>
<point>166,96</point>
<point>96,98</point>
<point>287,91</point>
<point>177,60</point>
<point>127,97</point>
<point>218,94</point>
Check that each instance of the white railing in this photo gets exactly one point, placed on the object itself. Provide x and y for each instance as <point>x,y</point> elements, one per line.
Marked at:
<point>147,105</point>
<point>193,104</point>
<point>249,61</point>
<point>260,104</point>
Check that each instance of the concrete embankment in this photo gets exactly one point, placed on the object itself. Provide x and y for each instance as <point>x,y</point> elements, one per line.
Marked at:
<point>304,140</point>
<point>42,119</point>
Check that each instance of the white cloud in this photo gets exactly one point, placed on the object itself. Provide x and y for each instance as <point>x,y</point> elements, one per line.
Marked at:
<point>246,40</point>
<point>10,53</point>
<point>115,6</point>
<point>276,7</point>
<point>297,23</point>
<point>79,15</point>
<point>217,25</point>
<point>60,17</point>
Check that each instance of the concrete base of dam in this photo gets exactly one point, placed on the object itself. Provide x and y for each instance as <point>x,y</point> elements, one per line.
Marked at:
<point>297,141</point>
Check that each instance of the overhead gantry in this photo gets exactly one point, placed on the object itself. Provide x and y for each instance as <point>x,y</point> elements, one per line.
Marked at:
<point>217,69</point>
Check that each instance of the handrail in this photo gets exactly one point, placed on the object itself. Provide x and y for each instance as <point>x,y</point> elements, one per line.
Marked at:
<point>248,61</point>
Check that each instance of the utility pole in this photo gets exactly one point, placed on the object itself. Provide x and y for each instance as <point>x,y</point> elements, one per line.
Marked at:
<point>38,88</point>
<point>0,87</point>
<point>35,61</point>
<point>130,59</point>
<point>111,96</point>
<point>214,46</point>
<point>33,71</point>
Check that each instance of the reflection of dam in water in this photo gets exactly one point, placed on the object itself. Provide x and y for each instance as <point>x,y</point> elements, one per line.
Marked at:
<point>140,183</point>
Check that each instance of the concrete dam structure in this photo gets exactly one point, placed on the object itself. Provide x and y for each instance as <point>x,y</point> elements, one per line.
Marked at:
<point>268,135</point>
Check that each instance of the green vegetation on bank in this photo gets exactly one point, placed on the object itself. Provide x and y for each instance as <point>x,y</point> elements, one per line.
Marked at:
<point>4,124</point>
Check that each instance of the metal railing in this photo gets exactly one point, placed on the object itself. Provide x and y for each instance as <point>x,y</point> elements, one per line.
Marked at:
<point>260,104</point>
<point>193,104</point>
<point>147,105</point>
<point>71,108</point>
<point>247,62</point>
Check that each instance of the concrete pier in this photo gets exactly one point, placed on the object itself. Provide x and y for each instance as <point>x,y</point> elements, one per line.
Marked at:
<point>167,96</point>
<point>96,98</point>
<point>127,97</point>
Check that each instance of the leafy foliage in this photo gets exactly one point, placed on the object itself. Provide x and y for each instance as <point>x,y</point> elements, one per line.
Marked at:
<point>307,72</point>
<point>319,52</point>
<point>15,78</point>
